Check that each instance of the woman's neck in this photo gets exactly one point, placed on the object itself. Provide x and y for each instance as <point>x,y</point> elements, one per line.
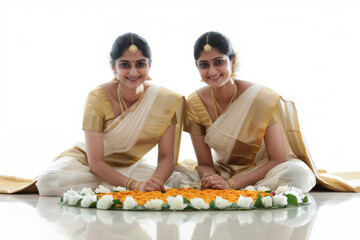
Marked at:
<point>131,95</point>
<point>225,92</point>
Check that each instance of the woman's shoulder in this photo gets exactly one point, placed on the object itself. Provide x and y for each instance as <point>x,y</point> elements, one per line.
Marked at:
<point>101,93</point>
<point>199,94</point>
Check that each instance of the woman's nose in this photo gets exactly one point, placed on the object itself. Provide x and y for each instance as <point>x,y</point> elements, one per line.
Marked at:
<point>133,71</point>
<point>212,71</point>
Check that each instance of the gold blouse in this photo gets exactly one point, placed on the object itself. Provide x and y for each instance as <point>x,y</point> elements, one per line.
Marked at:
<point>98,113</point>
<point>198,120</point>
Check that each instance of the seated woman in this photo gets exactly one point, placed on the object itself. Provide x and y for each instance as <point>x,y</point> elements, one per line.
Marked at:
<point>123,120</point>
<point>252,131</point>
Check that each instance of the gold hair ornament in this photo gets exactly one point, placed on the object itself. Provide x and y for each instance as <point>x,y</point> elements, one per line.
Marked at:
<point>207,47</point>
<point>133,48</point>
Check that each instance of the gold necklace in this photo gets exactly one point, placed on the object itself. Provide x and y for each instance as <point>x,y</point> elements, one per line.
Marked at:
<point>216,104</point>
<point>123,107</point>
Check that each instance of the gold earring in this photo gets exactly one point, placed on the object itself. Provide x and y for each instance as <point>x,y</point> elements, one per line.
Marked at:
<point>201,80</point>
<point>148,78</point>
<point>233,75</point>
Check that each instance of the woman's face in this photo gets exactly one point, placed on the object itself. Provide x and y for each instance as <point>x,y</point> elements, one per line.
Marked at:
<point>131,69</point>
<point>215,68</point>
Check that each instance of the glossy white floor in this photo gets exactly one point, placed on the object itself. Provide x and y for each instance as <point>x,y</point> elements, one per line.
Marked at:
<point>329,216</point>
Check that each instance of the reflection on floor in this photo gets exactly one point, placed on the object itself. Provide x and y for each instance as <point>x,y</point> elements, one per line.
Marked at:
<point>28,216</point>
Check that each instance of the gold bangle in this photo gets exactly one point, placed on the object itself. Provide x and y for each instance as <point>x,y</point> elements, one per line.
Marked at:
<point>128,183</point>
<point>208,175</point>
<point>231,182</point>
<point>137,185</point>
<point>158,177</point>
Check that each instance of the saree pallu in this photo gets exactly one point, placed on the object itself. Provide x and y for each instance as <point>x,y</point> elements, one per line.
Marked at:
<point>236,137</point>
<point>142,128</point>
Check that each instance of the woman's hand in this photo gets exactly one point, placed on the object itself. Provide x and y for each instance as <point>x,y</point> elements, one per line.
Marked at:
<point>152,184</point>
<point>215,182</point>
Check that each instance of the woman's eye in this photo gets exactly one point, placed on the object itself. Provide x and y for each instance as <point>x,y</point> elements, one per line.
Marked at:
<point>124,65</point>
<point>141,64</point>
<point>219,62</point>
<point>203,65</point>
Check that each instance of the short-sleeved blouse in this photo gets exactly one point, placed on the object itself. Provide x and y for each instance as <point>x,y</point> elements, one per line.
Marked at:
<point>98,113</point>
<point>198,120</point>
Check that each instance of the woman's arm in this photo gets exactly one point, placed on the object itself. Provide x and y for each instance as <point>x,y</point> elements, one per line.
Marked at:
<point>203,156</point>
<point>206,168</point>
<point>166,162</point>
<point>95,154</point>
<point>274,144</point>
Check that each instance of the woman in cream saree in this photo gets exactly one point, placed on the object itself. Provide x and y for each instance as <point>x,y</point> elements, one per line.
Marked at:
<point>123,120</point>
<point>243,133</point>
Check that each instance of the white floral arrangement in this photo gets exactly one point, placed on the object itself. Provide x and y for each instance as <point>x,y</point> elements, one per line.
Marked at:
<point>185,199</point>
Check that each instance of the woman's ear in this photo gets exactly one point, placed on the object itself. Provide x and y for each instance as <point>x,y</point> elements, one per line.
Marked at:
<point>233,63</point>
<point>112,67</point>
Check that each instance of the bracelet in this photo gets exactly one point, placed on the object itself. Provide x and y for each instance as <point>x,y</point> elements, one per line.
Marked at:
<point>231,182</point>
<point>158,177</point>
<point>137,185</point>
<point>209,174</point>
<point>128,183</point>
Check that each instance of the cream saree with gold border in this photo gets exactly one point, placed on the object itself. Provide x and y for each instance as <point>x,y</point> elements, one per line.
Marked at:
<point>243,127</point>
<point>126,141</point>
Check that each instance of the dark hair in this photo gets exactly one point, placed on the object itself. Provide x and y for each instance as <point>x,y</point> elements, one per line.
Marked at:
<point>123,42</point>
<point>216,40</point>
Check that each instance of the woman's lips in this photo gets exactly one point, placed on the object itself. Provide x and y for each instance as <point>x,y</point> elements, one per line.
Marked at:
<point>133,79</point>
<point>215,78</point>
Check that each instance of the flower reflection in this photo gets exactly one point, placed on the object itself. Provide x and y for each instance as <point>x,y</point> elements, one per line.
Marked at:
<point>281,222</point>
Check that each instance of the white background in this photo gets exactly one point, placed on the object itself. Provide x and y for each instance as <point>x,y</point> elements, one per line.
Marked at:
<point>52,53</point>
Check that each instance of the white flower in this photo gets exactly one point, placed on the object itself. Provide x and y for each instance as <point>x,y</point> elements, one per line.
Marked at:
<point>250,188</point>
<point>199,203</point>
<point>298,191</point>
<point>245,202</point>
<point>130,203</point>
<point>88,200</point>
<point>105,202</point>
<point>263,188</point>
<point>176,203</point>
<point>119,189</point>
<point>280,200</point>
<point>74,199</point>
<point>68,194</point>
<point>292,192</point>
<point>185,186</point>
<point>102,189</point>
<point>267,201</point>
<point>222,203</point>
<point>87,191</point>
<point>154,204</point>
<point>281,189</point>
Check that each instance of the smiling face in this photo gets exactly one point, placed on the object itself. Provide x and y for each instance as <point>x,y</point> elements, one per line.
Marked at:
<point>215,68</point>
<point>131,69</point>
